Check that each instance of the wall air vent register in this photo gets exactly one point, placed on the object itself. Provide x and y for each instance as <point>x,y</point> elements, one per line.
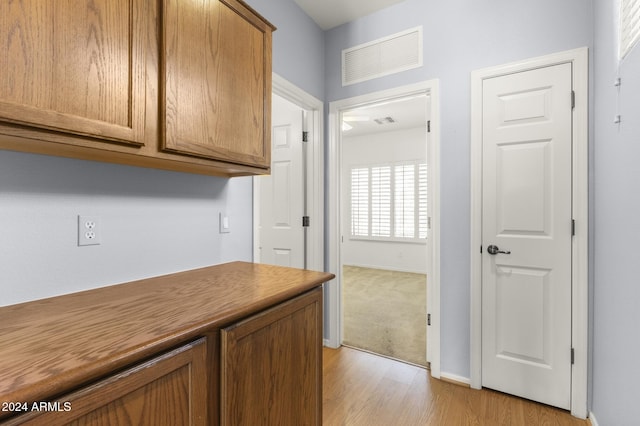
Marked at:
<point>389,55</point>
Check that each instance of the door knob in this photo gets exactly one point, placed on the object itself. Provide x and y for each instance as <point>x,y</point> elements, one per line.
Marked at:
<point>495,250</point>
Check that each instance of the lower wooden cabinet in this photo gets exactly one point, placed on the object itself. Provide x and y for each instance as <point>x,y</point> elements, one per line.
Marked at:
<point>168,390</point>
<point>233,344</point>
<point>271,366</point>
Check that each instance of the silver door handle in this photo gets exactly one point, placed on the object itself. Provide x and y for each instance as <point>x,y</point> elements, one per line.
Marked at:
<point>495,250</point>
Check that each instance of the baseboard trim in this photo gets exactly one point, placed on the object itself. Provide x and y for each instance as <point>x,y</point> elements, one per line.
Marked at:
<point>455,379</point>
<point>327,343</point>
<point>592,419</point>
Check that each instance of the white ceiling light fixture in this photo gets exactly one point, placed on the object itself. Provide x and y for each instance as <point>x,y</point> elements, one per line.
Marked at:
<point>356,118</point>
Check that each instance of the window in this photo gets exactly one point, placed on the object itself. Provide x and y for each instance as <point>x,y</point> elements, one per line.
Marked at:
<point>629,25</point>
<point>389,202</point>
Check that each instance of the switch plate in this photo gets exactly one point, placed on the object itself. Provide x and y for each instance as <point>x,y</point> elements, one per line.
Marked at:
<point>224,223</point>
<point>89,230</point>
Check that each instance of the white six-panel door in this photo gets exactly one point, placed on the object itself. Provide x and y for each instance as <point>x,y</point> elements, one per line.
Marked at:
<point>281,194</point>
<point>526,212</point>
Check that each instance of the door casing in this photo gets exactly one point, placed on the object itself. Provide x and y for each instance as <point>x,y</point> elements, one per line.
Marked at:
<point>580,176</point>
<point>333,309</point>
<point>315,172</point>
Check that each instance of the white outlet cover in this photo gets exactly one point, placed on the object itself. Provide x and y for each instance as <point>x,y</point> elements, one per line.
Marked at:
<point>89,230</point>
<point>224,223</point>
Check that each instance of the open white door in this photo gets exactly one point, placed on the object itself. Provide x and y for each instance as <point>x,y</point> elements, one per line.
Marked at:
<point>527,234</point>
<point>281,194</point>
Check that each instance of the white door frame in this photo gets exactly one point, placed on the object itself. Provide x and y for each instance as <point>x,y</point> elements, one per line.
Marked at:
<point>315,172</point>
<point>333,326</point>
<point>580,177</point>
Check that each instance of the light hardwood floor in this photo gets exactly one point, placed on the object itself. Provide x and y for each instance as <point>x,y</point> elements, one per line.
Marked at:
<point>368,390</point>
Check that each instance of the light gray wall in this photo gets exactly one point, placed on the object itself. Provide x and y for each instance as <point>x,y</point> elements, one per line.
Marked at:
<point>616,293</point>
<point>153,222</point>
<point>459,37</point>
<point>298,44</point>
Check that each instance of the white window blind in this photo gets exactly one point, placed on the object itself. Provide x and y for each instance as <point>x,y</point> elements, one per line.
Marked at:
<point>629,25</point>
<point>381,201</point>
<point>389,202</point>
<point>423,217</point>
<point>405,201</point>
<point>360,202</point>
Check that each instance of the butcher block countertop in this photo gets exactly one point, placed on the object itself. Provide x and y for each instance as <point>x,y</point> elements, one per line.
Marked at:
<point>67,341</point>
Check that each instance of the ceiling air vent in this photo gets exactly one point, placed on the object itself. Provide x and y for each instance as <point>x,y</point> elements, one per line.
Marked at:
<point>388,55</point>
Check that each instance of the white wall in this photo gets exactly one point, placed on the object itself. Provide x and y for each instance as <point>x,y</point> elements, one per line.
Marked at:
<point>379,148</point>
<point>153,222</point>
<point>298,44</point>
<point>459,37</point>
<point>616,248</point>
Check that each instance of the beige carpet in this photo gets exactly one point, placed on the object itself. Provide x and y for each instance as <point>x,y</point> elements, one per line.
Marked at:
<point>385,312</point>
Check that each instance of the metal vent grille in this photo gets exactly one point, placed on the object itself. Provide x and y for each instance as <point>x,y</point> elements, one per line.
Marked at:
<point>629,25</point>
<point>388,55</point>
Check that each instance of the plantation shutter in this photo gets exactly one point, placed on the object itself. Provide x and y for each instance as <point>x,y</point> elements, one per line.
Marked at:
<point>405,200</point>
<point>381,201</point>
<point>360,202</point>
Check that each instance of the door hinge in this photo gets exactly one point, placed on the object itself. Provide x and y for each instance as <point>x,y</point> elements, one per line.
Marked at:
<point>429,126</point>
<point>573,227</point>
<point>573,356</point>
<point>429,223</point>
<point>573,99</point>
<point>305,136</point>
<point>428,319</point>
<point>480,249</point>
<point>305,221</point>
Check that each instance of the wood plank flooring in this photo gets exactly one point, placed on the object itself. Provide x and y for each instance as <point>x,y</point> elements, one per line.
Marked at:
<point>368,390</point>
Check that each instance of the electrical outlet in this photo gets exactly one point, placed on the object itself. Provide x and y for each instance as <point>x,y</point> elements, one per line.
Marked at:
<point>89,231</point>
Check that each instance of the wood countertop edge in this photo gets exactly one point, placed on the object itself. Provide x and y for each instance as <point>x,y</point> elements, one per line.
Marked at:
<point>87,373</point>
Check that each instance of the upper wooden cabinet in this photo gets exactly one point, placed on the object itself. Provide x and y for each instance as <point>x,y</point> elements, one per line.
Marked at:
<point>172,84</point>
<point>216,81</point>
<point>77,67</point>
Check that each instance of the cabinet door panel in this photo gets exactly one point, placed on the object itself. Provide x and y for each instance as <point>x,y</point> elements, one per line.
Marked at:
<point>217,81</point>
<point>166,391</point>
<point>74,66</point>
<point>272,366</point>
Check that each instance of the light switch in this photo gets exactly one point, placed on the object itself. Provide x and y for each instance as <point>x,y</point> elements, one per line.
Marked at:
<point>224,223</point>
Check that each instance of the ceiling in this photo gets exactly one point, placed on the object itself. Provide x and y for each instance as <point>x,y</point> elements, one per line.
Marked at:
<point>331,13</point>
<point>407,113</point>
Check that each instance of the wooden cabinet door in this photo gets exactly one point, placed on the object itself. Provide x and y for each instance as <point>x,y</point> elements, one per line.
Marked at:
<point>216,81</point>
<point>74,66</point>
<point>166,391</point>
<point>271,369</point>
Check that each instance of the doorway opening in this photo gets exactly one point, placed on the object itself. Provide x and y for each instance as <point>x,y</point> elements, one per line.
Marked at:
<point>294,189</point>
<point>385,224</point>
<point>384,219</point>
